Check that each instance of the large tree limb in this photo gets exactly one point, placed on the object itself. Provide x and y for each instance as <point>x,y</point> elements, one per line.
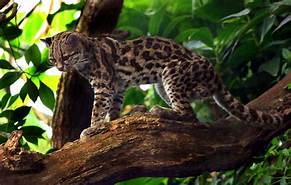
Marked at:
<point>144,145</point>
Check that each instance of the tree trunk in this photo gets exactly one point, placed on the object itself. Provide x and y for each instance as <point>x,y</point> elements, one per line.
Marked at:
<point>75,97</point>
<point>145,145</point>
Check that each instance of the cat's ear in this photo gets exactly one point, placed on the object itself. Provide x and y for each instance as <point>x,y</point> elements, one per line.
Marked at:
<point>47,41</point>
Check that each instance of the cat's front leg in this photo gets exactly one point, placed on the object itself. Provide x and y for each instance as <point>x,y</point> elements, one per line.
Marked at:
<point>103,99</point>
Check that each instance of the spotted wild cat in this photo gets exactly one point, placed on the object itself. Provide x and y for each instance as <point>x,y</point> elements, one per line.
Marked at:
<point>179,75</point>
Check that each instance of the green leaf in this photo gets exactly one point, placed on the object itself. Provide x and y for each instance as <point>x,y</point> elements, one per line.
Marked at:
<point>145,180</point>
<point>155,22</point>
<point>33,54</point>
<point>11,32</point>
<point>5,65</point>
<point>134,96</point>
<point>3,127</point>
<point>134,31</point>
<point>32,26</point>
<point>267,179</point>
<point>236,15</point>
<point>61,19</point>
<point>272,67</point>
<point>7,114</point>
<point>9,78</point>
<point>172,25</point>
<point>267,25</point>
<point>286,54</point>
<point>31,139</point>
<point>4,100</point>
<point>283,181</point>
<point>285,21</point>
<point>12,100</point>
<point>46,95</point>
<point>29,88</point>
<point>43,67</point>
<point>152,98</point>
<point>254,3</point>
<point>201,34</point>
<point>33,91</point>
<point>21,112</point>
<point>32,131</point>
<point>242,54</point>
<point>23,92</point>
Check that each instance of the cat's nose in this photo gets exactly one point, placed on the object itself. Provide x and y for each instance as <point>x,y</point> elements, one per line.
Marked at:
<point>60,67</point>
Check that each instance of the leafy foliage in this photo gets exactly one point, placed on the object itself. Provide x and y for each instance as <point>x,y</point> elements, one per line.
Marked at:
<point>25,83</point>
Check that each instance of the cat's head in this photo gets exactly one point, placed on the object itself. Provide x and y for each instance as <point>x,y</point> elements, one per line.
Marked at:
<point>67,49</point>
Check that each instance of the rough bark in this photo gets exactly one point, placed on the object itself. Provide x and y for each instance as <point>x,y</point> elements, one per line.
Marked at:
<point>75,97</point>
<point>99,16</point>
<point>144,145</point>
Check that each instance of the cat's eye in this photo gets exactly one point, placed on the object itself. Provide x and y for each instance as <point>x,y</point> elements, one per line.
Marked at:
<point>66,57</point>
<point>52,61</point>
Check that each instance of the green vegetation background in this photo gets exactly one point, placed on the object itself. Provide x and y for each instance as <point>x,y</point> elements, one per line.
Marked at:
<point>248,42</point>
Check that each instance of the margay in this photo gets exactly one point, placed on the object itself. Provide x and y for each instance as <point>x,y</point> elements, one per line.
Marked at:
<point>180,75</point>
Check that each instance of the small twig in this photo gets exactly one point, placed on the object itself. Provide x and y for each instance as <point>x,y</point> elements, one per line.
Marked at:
<point>4,18</point>
<point>3,3</point>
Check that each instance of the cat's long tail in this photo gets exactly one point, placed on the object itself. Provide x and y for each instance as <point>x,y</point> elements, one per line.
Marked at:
<point>248,115</point>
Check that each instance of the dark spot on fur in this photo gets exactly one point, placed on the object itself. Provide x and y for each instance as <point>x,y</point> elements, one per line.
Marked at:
<point>127,73</point>
<point>172,71</point>
<point>158,65</point>
<point>146,55</point>
<point>125,50</point>
<point>176,46</point>
<point>111,45</point>
<point>135,51</point>
<point>149,66</point>
<point>138,41</point>
<point>174,57</point>
<point>253,114</point>
<point>156,46</point>
<point>204,66</point>
<point>167,49</point>
<point>137,67</point>
<point>146,79</point>
<point>148,44</point>
<point>159,55</point>
<point>178,52</point>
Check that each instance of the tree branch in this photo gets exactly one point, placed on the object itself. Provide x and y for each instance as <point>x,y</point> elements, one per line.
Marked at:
<point>144,145</point>
<point>4,16</point>
<point>3,3</point>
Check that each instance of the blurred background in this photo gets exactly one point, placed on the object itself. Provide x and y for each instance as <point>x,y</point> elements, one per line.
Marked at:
<point>248,42</point>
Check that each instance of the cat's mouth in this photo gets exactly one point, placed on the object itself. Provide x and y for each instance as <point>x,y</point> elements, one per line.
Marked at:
<point>61,68</point>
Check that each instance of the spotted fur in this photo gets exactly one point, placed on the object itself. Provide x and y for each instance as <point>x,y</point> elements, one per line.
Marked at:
<point>180,75</point>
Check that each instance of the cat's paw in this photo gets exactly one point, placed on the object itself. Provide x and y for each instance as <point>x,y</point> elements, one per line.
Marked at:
<point>138,108</point>
<point>89,132</point>
<point>92,130</point>
<point>167,113</point>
